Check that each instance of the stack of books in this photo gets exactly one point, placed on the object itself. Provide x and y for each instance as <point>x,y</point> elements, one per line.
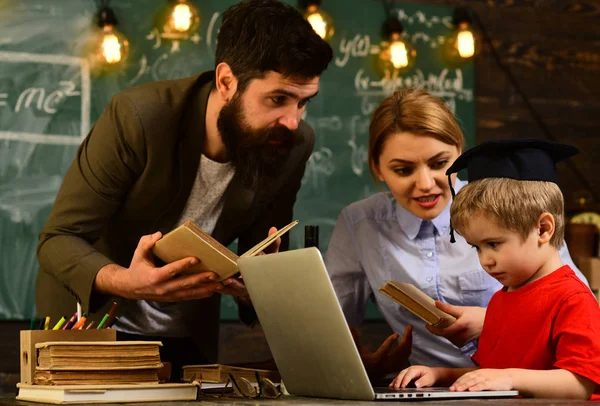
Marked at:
<point>218,373</point>
<point>84,372</point>
<point>97,362</point>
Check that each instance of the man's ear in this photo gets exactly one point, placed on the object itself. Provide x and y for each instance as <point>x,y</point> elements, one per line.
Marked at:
<point>546,227</point>
<point>225,82</point>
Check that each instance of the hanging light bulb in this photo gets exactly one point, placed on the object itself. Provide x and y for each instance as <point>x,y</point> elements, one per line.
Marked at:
<point>320,21</point>
<point>397,54</point>
<point>462,44</point>
<point>112,47</point>
<point>465,43</point>
<point>178,20</point>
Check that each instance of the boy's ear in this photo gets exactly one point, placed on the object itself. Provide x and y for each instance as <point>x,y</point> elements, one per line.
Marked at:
<point>546,227</point>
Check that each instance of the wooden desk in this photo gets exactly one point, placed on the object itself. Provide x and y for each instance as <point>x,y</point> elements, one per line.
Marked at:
<point>298,401</point>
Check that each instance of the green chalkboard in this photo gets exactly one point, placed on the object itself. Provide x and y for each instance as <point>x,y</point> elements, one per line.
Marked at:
<point>49,99</point>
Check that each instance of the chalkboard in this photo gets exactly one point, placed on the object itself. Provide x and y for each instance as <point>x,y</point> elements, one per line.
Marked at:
<point>49,99</point>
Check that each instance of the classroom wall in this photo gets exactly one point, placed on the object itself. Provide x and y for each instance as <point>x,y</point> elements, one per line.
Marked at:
<point>552,49</point>
<point>50,98</point>
<point>550,46</point>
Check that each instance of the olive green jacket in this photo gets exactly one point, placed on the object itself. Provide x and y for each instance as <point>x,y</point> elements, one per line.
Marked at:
<point>132,176</point>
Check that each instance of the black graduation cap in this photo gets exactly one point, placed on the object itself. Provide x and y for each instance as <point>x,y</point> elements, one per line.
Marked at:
<point>527,159</point>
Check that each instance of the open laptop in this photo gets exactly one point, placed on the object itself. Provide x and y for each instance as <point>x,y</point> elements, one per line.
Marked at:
<point>308,334</point>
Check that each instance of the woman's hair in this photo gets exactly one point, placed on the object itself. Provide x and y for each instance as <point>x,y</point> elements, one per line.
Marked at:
<point>412,111</point>
<point>514,205</point>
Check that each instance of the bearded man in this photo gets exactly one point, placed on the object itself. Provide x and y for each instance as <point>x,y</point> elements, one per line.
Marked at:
<point>226,149</point>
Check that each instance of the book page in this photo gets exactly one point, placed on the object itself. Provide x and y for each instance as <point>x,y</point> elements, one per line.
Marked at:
<point>269,240</point>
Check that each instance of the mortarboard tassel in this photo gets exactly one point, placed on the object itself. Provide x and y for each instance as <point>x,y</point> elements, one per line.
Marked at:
<point>452,239</point>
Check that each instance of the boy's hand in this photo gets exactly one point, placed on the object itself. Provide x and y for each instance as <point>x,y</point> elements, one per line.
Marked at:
<point>421,376</point>
<point>465,329</point>
<point>484,379</point>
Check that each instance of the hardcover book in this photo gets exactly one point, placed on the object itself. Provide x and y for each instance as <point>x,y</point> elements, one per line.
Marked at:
<point>87,394</point>
<point>189,240</point>
<point>218,373</point>
<point>417,302</point>
<point>98,355</point>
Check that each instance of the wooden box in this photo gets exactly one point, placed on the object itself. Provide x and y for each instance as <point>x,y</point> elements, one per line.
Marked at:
<point>29,338</point>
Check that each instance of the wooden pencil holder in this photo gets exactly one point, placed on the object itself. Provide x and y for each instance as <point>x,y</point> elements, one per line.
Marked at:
<point>29,338</point>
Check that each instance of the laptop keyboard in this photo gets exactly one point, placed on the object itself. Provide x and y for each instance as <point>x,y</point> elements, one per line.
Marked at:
<point>408,390</point>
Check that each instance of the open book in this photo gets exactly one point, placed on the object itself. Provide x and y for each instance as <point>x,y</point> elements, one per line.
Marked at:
<point>86,394</point>
<point>218,373</point>
<point>189,240</point>
<point>417,302</point>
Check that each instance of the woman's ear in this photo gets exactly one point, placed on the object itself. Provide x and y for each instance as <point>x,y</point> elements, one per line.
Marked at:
<point>225,82</point>
<point>378,172</point>
<point>546,227</point>
<point>453,179</point>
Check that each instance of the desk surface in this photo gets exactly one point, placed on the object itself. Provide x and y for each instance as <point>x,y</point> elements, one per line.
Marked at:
<point>9,400</point>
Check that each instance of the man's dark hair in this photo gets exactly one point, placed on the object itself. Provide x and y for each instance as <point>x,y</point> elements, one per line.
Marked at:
<point>257,36</point>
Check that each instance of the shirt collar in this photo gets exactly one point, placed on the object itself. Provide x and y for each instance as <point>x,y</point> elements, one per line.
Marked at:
<point>411,224</point>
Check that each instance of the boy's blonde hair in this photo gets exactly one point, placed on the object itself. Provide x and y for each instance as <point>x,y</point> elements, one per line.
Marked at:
<point>515,205</point>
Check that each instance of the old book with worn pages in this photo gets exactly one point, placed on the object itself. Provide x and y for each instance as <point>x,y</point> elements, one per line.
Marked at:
<point>218,373</point>
<point>90,377</point>
<point>189,240</point>
<point>97,362</point>
<point>98,355</point>
<point>89,394</point>
<point>417,302</point>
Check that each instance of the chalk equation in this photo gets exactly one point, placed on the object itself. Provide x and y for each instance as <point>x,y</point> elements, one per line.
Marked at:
<point>448,84</point>
<point>41,99</point>
<point>172,63</point>
<point>36,95</point>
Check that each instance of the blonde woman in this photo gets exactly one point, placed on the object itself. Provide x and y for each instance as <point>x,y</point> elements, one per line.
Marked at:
<point>404,235</point>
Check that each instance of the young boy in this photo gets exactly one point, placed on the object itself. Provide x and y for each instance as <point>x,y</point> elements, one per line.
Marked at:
<point>541,334</point>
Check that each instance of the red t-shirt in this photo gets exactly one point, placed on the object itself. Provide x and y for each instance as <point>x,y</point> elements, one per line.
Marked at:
<point>551,323</point>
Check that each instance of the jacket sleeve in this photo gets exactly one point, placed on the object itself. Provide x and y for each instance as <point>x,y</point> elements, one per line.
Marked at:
<point>277,212</point>
<point>105,167</point>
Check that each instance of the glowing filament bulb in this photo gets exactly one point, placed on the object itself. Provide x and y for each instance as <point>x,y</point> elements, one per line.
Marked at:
<point>111,48</point>
<point>318,24</point>
<point>182,17</point>
<point>465,44</point>
<point>399,54</point>
<point>320,21</point>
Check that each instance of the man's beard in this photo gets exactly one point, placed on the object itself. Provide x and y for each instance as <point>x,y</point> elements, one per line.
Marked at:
<point>256,154</point>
